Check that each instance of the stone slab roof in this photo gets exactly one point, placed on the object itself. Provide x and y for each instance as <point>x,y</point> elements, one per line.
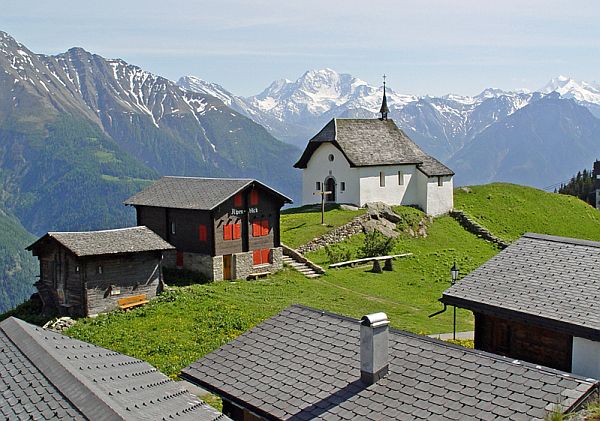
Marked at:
<point>551,280</point>
<point>194,193</point>
<point>305,364</point>
<point>116,241</point>
<point>46,375</point>
<point>369,142</point>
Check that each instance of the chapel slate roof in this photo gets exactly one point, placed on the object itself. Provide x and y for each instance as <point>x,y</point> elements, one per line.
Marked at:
<point>194,192</point>
<point>551,280</point>
<point>46,375</point>
<point>305,364</point>
<point>115,241</point>
<point>369,142</point>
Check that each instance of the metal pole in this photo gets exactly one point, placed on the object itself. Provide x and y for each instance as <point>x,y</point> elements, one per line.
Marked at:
<point>454,326</point>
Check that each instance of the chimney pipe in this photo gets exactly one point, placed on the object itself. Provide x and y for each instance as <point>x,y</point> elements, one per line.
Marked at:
<point>373,347</point>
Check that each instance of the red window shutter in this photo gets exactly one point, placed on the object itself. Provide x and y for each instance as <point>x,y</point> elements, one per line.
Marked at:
<point>227,232</point>
<point>256,228</point>
<point>202,232</point>
<point>265,255</point>
<point>237,200</point>
<point>253,197</point>
<point>256,257</point>
<point>179,259</point>
<point>264,227</point>
<point>237,231</point>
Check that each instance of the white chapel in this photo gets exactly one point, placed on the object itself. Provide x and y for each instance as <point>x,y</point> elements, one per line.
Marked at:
<point>372,160</point>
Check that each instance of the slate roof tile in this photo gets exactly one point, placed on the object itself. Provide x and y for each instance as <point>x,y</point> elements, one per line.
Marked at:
<point>51,376</point>
<point>547,278</point>
<point>367,142</point>
<point>115,241</point>
<point>194,192</point>
<point>411,388</point>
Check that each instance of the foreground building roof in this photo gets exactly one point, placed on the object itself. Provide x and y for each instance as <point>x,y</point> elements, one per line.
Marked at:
<point>46,375</point>
<point>370,142</point>
<point>553,281</point>
<point>194,193</point>
<point>305,364</point>
<point>116,241</point>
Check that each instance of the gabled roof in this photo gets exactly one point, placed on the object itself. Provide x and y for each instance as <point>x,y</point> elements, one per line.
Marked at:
<point>554,281</point>
<point>51,376</point>
<point>194,193</point>
<point>116,241</point>
<point>370,142</point>
<point>305,364</point>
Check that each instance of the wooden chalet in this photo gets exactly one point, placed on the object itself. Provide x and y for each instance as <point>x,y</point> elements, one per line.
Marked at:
<point>86,273</point>
<point>538,301</point>
<point>221,228</point>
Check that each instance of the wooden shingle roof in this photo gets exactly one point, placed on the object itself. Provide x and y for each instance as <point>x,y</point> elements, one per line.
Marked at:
<point>46,375</point>
<point>304,364</point>
<point>370,142</point>
<point>550,280</point>
<point>115,241</point>
<point>194,192</point>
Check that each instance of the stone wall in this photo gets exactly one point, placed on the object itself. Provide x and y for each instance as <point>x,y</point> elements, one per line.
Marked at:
<point>204,264</point>
<point>337,235</point>
<point>474,228</point>
<point>242,265</point>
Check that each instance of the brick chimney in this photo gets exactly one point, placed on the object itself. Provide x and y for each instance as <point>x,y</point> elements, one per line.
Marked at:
<point>373,347</point>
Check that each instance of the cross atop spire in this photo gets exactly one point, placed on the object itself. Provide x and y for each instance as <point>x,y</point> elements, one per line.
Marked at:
<point>384,108</point>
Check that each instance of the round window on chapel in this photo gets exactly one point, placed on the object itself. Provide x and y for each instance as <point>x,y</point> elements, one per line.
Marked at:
<point>331,157</point>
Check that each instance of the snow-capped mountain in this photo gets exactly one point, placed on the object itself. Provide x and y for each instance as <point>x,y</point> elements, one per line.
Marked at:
<point>570,88</point>
<point>295,110</point>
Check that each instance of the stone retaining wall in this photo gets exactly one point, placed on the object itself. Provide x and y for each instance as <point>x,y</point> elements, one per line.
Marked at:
<point>474,228</point>
<point>337,235</point>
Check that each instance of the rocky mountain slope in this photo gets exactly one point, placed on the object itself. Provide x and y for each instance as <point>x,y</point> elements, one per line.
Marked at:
<point>79,133</point>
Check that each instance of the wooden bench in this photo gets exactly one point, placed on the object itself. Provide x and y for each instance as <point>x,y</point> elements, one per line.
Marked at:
<point>133,301</point>
<point>258,275</point>
<point>367,260</point>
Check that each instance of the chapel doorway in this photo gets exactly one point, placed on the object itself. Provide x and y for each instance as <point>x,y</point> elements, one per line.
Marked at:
<point>330,186</point>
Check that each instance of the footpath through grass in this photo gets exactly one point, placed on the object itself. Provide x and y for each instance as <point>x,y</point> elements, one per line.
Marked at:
<point>509,210</point>
<point>300,225</point>
<point>186,323</point>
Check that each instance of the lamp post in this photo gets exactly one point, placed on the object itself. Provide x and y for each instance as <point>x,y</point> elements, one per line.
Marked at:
<point>454,273</point>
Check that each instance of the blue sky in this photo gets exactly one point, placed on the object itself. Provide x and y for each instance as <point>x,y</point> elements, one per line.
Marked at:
<point>425,47</point>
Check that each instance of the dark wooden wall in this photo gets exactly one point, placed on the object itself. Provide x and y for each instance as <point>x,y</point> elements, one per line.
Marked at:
<point>71,285</point>
<point>60,284</point>
<point>132,274</point>
<point>187,224</point>
<point>523,341</point>
<point>188,221</point>
<point>153,218</point>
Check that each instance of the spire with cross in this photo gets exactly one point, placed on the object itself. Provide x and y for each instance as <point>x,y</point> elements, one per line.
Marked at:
<point>384,107</point>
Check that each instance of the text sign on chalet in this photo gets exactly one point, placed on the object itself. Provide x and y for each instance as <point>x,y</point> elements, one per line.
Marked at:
<point>242,211</point>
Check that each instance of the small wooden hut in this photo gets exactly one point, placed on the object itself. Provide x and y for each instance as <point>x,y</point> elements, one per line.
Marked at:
<point>86,273</point>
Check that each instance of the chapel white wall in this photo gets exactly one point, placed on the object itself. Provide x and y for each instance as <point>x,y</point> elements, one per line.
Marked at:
<point>439,199</point>
<point>393,193</point>
<point>318,169</point>
<point>586,358</point>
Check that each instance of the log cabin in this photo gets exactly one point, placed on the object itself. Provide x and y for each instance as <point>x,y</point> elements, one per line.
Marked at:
<point>221,228</point>
<point>86,273</point>
<point>538,301</point>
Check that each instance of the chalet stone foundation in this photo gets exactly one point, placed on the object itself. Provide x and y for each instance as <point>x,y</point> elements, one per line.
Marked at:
<point>212,267</point>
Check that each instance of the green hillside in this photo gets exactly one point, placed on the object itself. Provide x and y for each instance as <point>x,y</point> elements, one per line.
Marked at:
<point>18,268</point>
<point>187,322</point>
<point>510,210</point>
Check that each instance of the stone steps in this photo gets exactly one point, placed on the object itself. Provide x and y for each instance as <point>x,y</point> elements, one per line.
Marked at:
<point>300,267</point>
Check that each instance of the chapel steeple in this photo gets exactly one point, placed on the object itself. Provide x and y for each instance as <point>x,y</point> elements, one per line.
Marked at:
<point>384,107</point>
